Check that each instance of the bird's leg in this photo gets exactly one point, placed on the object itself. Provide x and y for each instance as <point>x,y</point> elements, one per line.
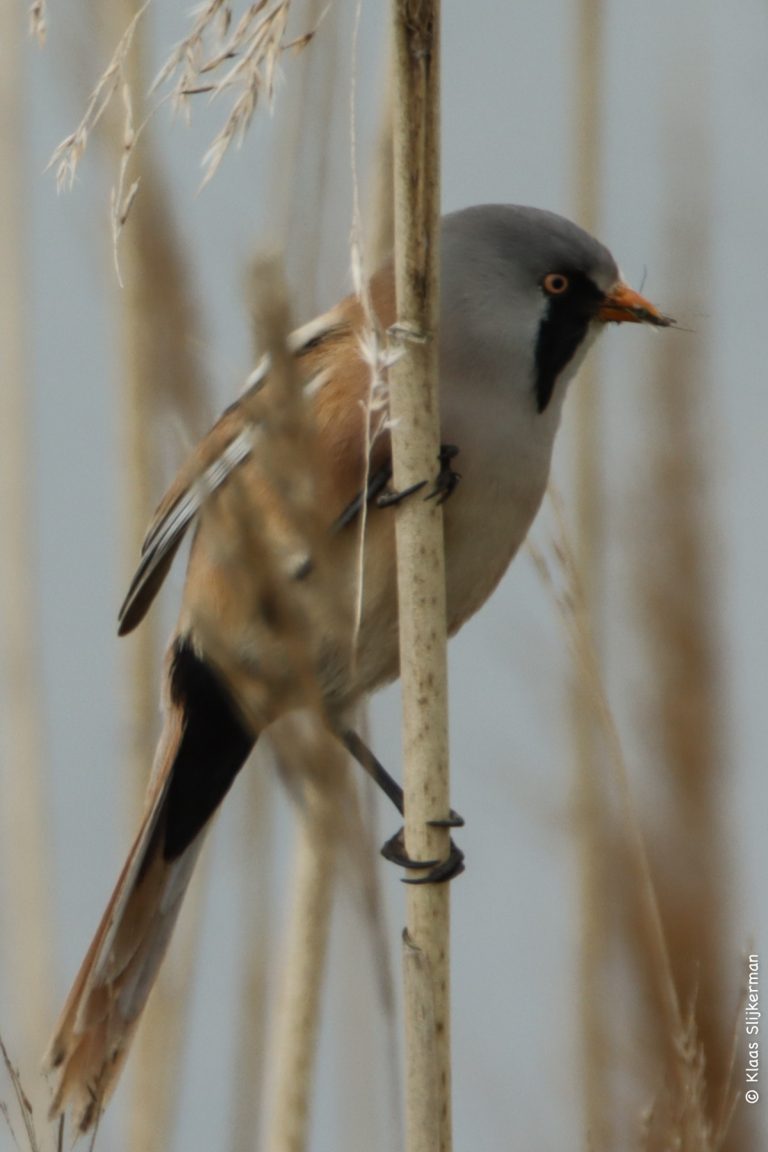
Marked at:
<point>391,498</point>
<point>360,751</point>
<point>377,482</point>
<point>394,850</point>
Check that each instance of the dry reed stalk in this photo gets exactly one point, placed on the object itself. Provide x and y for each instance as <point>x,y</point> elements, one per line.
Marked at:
<point>363,1033</point>
<point>256,920</point>
<point>589,784</point>
<point>175,377</point>
<point>379,248</point>
<point>421,568</point>
<point>303,143</point>
<point>382,233</point>
<point>288,456</point>
<point>686,1126</point>
<point>300,192</point>
<point>159,373</point>
<point>174,384</point>
<point>678,591</point>
<point>27,867</point>
<point>686,706</point>
<point>257,853</point>
<point>294,1039</point>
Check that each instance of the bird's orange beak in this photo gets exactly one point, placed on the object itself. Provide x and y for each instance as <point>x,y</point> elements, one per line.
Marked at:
<point>623,305</point>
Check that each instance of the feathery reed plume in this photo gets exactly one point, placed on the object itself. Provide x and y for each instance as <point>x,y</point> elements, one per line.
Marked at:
<point>421,568</point>
<point>26,861</point>
<point>23,1104</point>
<point>212,59</point>
<point>68,154</point>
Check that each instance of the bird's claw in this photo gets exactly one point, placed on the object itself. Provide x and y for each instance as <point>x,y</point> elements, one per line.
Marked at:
<point>447,478</point>
<point>454,820</point>
<point>445,482</point>
<point>446,870</point>
<point>440,871</point>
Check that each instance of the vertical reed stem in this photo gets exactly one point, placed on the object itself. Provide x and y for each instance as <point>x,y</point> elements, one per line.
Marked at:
<point>421,568</point>
<point>588,785</point>
<point>27,919</point>
<point>157,370</point>
<point>303,970</point>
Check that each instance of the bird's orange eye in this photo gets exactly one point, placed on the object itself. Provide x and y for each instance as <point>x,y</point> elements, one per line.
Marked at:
<point>555,283</point>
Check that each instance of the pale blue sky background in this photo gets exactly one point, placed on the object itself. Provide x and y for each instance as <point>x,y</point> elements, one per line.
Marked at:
<point>685,109</point>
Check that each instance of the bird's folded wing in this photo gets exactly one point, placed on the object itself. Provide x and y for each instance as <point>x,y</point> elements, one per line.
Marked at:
<point>192,486</point>
<point>337,378</point>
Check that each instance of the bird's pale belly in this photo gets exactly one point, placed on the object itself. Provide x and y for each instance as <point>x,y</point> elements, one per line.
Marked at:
<point>483,530</point>
<point>482,535</point>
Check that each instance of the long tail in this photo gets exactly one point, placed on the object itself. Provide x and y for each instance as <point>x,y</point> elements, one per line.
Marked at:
<point>204,744</point>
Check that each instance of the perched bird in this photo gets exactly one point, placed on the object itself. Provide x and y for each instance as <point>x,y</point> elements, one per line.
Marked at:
<point>524,294</point>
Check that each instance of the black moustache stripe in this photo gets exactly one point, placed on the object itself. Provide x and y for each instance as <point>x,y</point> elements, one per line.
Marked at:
<point>562,330</point>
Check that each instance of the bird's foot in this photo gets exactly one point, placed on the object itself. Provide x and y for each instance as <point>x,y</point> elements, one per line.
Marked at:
<point>439,870</point>
<point>445,482</point>
<point>447,478</point>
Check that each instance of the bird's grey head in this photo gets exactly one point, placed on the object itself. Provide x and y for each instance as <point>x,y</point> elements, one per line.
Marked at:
<point>527,284</point>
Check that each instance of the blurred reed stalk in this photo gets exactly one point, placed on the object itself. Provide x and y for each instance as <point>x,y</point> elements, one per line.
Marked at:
<point>159,374</point>
<point>256,911</point>
<point>302,169</point>
<point>370,1025</point>
<point>678,1103</point>
<point>257,932</point>
<point>415,433</point>
<point>589,783</point>
<point>289,459</point>
<point>136,412</point>
<point>314,766</point>
<point>27,916</point>
<point>686,833</point>
<point>294,1040</point>
<point>678,592</point>
<point>382,226</point>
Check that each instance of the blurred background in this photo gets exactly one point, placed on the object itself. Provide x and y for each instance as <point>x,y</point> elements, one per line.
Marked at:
<point>646,123</point>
